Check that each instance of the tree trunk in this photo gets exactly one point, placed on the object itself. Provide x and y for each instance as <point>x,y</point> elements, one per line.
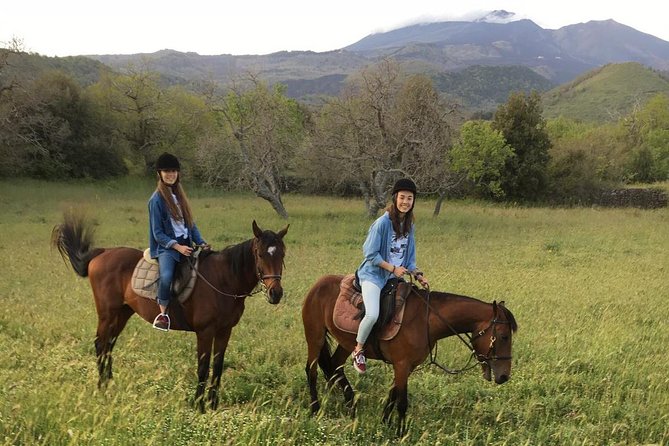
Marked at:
<point>437,206</point>
<point>272,194</point>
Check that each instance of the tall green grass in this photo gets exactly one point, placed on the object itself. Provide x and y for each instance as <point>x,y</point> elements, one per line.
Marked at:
<point>588,287</point>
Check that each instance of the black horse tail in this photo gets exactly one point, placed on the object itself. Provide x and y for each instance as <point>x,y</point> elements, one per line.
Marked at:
<point>74,240</point>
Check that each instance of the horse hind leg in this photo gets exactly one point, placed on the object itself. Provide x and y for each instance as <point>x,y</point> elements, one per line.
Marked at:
<point>109,328</point>
<point>337,362</point>
<point>318,353</point>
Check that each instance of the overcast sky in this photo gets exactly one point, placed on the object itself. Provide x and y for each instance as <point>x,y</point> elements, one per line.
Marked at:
<point>76,27</point>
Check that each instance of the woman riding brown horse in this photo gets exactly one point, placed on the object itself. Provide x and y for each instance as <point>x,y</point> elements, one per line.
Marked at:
<point>216,304</point>
<point>428,317</point>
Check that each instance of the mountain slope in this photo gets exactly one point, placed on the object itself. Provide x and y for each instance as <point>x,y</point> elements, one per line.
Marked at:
<point>559,55</point>
<point>605,94</point>
<point>607,41</point>
<point>29,66</point>
<point>484,88</point>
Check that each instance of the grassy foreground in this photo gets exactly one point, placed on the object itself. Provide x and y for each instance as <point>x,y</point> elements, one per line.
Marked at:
<point>588,287</point>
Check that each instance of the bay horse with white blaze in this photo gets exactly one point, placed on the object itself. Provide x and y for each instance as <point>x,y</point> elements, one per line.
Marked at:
<point>428,317</point>
<point>216,304</point>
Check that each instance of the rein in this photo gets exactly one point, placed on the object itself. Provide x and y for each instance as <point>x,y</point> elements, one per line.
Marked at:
<point>259,274</point>
<point>480,359</point>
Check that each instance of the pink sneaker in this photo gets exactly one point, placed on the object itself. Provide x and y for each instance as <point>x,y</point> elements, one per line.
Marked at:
<point>359,361</point>
<point>162,322</point>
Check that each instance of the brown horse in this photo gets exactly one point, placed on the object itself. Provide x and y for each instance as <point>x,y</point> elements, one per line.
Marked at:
<point>428,317</point>
<point>216,305</point>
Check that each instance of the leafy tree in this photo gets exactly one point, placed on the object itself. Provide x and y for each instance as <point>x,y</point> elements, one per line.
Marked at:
<point>354,136</point>
<point>423,125</point>
<point>383,126</point>
<point>149,119</point>
<point>584,158</point>
<point>648,135</point>
<point>481,154</point>
<point>259,131</point>
<point>520,121</point>
<point>55,134</point>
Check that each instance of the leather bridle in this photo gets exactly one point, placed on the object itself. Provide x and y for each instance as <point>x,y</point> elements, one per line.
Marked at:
<point>259,272</point>
<point>491,354</point>
<point>467,339</point>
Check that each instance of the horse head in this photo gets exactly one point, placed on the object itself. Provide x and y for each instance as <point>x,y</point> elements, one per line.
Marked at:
<point>269,251</point>
<point>492,342</point>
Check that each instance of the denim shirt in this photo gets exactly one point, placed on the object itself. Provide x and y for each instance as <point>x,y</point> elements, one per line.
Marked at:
<point>376,249</point>
<point>161,232</point>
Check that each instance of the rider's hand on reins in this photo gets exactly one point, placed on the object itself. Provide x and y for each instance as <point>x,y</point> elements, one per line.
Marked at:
<point>422,280</point>
<point>399,271</point>
<point>183,249</point>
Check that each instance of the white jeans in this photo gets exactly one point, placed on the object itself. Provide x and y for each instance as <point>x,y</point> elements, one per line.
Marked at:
<point>371,296</point>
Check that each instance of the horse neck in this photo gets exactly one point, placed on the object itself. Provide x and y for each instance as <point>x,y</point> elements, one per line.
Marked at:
<point>237,269</point>
<point>451,312</point>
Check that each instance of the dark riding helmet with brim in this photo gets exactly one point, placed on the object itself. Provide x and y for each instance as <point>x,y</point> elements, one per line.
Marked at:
<point>167,161</point>
<point>405,184</point>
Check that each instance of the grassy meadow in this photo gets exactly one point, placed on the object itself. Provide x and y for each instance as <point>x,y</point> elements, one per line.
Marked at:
<point>588,288</point>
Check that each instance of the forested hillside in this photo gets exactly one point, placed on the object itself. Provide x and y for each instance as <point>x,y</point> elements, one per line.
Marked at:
<point>605,94</point>
<point>483,87</point>
<point>87,121</point>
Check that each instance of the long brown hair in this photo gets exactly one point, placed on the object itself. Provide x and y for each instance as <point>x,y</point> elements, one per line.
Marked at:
<point>400,230</point>
<point>166,192</point>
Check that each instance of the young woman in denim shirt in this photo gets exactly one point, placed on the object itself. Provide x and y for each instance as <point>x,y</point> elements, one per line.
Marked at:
<point>389,250</point>
<point>172,230</point>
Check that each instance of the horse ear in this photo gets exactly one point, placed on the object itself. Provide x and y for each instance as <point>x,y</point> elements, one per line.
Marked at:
<point>256,230</point>
<point>282,232</point>
<point>494,307</point>
<point>501,303</point>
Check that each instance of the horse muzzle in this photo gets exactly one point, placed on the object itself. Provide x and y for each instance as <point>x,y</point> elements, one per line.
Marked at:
<point>274,294</point>
<point>499,372</point>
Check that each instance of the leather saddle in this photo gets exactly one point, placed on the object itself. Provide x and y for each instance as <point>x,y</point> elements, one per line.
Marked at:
<point>349,307</point>
<point>146,275</point>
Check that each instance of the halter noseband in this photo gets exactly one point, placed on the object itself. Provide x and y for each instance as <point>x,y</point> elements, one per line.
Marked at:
<point>490,355</point>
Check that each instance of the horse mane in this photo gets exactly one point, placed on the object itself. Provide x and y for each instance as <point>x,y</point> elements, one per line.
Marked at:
<point>443,295</point>
<point>509,317</point>
<point>238,255</point>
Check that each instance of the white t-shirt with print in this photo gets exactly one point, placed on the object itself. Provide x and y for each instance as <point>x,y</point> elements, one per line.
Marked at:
<point>398,249</point>
<point>179,226</point>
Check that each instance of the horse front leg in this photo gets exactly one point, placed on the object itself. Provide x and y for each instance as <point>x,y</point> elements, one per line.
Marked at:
<point>204,345</point>
<point>390,405</point>
<point>402,372</point>
<point>220,345</point>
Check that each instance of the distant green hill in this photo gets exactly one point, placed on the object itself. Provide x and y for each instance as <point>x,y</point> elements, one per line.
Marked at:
<point>29,66</point>
<point>485,87</point>
<point>605,94</point>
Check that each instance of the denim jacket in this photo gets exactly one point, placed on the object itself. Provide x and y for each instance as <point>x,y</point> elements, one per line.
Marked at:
<point>161,232</point>
<point>376,249</point>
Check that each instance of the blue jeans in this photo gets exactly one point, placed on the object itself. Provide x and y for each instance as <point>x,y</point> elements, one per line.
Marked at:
<point>167,265</point>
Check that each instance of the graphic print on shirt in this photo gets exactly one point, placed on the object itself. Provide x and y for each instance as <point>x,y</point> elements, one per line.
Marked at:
<point>398,249</point>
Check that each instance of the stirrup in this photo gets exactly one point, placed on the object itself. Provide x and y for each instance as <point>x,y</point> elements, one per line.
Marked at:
<point>158,322</point>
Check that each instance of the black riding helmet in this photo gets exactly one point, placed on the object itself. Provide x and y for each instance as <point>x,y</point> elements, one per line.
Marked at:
<point>167,161</point>
<point>405,184</point>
